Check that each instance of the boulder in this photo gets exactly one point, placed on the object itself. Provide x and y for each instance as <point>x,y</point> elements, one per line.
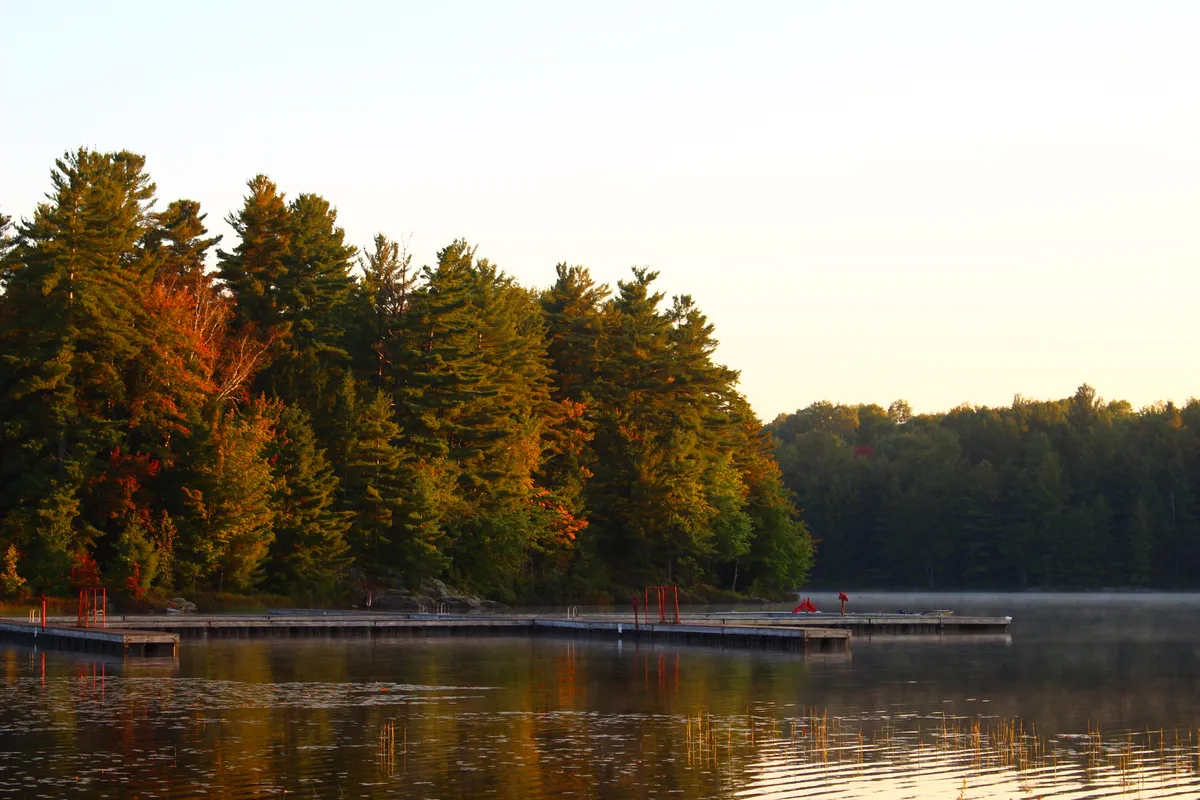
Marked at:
<point>396,600</point>
<point>178,605</point>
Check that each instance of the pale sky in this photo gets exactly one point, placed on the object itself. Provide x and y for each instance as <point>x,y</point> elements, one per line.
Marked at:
<point>943,202</point>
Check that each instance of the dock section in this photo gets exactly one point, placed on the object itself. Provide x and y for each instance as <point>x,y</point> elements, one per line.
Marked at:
<point>734,633</point>
<point>161,634</point>
<point>867,624</point>
<point>112,641</point>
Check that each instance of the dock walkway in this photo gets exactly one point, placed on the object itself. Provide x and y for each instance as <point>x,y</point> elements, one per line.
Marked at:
<point>114,641</point>
<point>160,634</point>
<point>866,624</point>
<point>734,633</point>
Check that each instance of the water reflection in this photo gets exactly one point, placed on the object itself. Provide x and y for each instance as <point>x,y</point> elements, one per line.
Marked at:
<point>1086,700</point>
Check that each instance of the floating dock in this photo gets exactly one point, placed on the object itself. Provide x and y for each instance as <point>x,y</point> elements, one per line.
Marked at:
<point>867,624</point>
<point>112,641</point>
<point>160,634</point>
<point>734,633</point>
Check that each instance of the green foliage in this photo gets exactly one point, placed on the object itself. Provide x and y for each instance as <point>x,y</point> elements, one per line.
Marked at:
<point>137,561</point>
<point>227,529</point>
<point>1072,493</point>
<point>12,585</point>
<point>308,553</point>
<point>290,277</point>
<point>284,425</point>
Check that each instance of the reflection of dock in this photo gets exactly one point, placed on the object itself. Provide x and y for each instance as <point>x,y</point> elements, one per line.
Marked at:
<point>114,641</point>
<point>731,633</point>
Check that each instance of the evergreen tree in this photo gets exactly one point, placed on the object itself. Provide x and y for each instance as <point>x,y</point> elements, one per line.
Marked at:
<point>176,242</point>
<point>574,331</point>
<point>254,272</point>
<point>226,531</point>
<point>307,554</point>
<point>72,325</point>
<point>388,282</point>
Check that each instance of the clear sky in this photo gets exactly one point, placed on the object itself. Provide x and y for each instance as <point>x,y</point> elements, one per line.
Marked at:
<point>944,202</point>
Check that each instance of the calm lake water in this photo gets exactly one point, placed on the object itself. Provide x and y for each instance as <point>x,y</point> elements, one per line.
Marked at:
<point>1089,697</point>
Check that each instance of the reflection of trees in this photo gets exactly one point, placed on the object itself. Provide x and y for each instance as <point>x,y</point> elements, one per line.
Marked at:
<point>520,718</point>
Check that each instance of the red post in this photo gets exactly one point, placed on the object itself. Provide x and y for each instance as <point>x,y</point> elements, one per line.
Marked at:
<point>676,588</point>
<point>646,605</point>
<point>43,612</point>
<point>104,608</point>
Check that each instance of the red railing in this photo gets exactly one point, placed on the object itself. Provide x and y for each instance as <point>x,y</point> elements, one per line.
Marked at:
<point>93,603</point>
<point>662,594</point>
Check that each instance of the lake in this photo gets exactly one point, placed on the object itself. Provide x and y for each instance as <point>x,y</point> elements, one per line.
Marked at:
<point>1089,696</point>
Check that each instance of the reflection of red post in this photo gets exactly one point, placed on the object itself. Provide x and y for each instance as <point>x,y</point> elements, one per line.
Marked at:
<point>843,598</point>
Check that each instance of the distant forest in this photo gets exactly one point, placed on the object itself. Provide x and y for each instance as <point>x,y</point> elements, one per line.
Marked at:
<point>1073,493</point>
<point>288,413</point>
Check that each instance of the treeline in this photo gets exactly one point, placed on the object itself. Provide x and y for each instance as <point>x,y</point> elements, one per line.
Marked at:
<point>306,417</point>
<point>1073,493</point>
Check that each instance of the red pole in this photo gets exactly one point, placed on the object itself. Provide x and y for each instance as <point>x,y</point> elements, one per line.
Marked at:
<point>646,604</point>
<point>676,588</point>
<point>104,608</point>
<point>43,611</point>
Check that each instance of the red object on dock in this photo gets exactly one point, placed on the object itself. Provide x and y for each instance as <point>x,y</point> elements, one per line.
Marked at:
<point>93,608</point>
<point>661,594</point>
<point>807,607</point>
<point>843,597</point>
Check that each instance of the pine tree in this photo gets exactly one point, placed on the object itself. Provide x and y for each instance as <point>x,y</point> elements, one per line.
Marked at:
<point>225,533</point>
<point>574,331</point>
<point>5,240</point>
<point>72,325</point>
<point>316,289</point>
<point>307,555</point>
<point>471,398</point>
<point>177,244</point>
<point>255,271</point>
<point>290,278</point>
<point>388,283</point>
<point>369,459</point>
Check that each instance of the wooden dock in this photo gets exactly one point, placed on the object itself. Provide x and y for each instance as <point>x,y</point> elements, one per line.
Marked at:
<point>867,624</point>
<point>161,634</point>
<point>112,641</point>
<point>734,633</point>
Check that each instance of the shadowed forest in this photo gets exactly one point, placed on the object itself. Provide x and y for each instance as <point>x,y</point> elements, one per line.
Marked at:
<point>284,412</point>
<point>1072,493</point>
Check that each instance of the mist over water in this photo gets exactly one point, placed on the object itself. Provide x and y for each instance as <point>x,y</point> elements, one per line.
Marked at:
<point>1088,696</point>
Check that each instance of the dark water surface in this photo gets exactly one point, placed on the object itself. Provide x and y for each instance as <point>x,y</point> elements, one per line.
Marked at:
<point>1093,696</point>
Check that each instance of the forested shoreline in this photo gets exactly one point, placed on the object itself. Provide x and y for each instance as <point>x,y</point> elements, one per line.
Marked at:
<point>1076,493</point>
<point>286,413</point>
